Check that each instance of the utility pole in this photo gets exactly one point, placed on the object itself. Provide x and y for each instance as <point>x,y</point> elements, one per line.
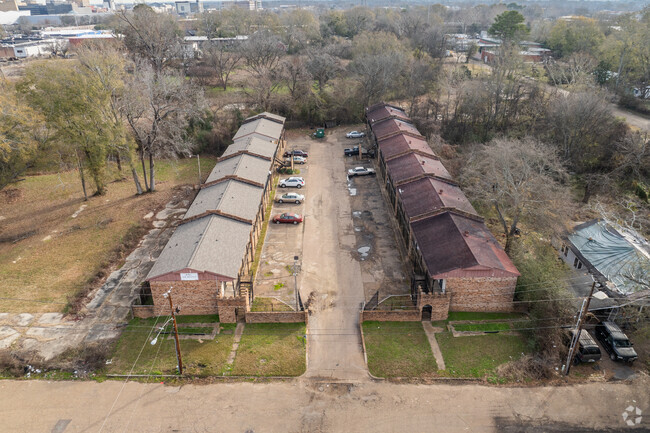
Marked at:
<point>198,159</point>
<point>576,338</point>
<point>295,281</point>
<point>168,295</point>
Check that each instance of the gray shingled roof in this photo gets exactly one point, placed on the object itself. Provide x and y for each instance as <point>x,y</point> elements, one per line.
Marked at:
<point>253,144</point>
<point>231,197</point>
<point>214,244</point>
<point>261,126</point>
<point>244,166</point>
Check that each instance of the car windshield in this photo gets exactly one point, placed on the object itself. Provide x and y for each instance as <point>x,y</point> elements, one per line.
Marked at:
<point>622,343</point>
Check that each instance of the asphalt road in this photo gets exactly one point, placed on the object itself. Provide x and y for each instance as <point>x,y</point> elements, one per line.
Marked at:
<point>312,406</point>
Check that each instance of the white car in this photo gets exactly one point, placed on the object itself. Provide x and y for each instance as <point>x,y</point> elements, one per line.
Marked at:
<point>360,171</point>
<point>292,182</point>
<point>290,197</point>
<point>355,134</point>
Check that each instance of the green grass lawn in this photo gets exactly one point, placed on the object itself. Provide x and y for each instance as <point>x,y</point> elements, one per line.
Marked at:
<point>478,356</point>
<point>398,349</point>
<point>134,353</point>
<point>271,349</point>
<point>482,327</point>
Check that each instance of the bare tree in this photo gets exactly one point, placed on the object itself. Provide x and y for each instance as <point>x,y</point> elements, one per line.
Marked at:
<point>322,66</point>
<point>584,129</point>
<point>378,61</point>
<point>157,109</point>
<point>522,181</point>
<point>576,70</point>
<point>150,36</point>
<point>262,53</point>
<point>223,59</point>
<point>296,76</point>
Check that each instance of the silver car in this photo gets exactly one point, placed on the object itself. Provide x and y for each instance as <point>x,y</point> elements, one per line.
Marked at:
<point>290,197</point>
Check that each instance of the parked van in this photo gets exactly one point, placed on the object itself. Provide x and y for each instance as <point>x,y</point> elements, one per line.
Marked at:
<point>588,350</point>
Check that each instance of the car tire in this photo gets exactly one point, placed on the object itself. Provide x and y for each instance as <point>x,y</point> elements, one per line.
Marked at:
<point>299,186</point>
<point>297,201</point>
<point>295,222</point>
<point>283,186</point>
<point>612,357</point>
<point>280,201</point>
<point>277,222</point>
<point>576,361</point>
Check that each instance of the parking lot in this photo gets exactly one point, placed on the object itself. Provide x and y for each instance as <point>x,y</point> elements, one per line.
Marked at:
<point>374,245</point>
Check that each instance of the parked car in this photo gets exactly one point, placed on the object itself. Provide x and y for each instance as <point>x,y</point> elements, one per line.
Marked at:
<point>292,182</point>
<point>296,160</point>
<point>588,350</point>
<point>351,151</point>
<point>355,134</point>
<point>615,342</point>
<point>295,152</point>
<point>290,197</point>
<point>361,171</point>
<point>287,218</point>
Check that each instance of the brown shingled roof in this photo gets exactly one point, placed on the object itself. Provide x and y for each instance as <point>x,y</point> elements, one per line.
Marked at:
<point>412,165</point>
<point>401,143</point>
<point>456,246</point>
<point>428,194</point>
<point>386,128</point>
<point>380,112</point>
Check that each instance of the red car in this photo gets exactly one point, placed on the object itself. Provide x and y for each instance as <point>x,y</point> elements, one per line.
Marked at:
<point>287,218</point>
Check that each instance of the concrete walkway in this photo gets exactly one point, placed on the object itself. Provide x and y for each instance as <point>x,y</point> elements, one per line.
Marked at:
<point>32,337</point>
<point>239,330</point>
<point>431,335</point>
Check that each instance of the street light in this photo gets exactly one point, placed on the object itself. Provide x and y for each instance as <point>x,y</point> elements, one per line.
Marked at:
<point>160,330</point>
<point>198,159</point>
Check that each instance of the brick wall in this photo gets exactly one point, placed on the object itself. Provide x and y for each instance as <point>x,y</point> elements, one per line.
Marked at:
<point>277,317</point>
<point>193,297</point>
<point>143,311</point>
<point>439,304</point>
<point>227,308</point>
<point>481,294</point>
<point>391,316</point>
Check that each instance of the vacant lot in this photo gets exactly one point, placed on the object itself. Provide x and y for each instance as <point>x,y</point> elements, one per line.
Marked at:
<point>52,243</point>
<point>271,349</point>
<point>398,349</point>
<point>134,353</point>
<point>478,356</point>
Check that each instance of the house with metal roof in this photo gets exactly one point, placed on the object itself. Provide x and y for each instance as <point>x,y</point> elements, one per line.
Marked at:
<point>457,262</point>
<point>207,260</point>
<point>618,258</point>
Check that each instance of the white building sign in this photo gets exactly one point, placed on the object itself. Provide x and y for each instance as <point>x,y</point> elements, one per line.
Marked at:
<point>192,276</point>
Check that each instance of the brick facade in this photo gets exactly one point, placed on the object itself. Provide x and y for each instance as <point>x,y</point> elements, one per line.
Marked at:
<point>231,309</point>
<point>439,303</point>
<point>193,297</point>
<point>481,293</point>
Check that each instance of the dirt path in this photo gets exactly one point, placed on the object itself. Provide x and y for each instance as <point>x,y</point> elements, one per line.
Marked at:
<point>329,272</point>
<point>303,406</point>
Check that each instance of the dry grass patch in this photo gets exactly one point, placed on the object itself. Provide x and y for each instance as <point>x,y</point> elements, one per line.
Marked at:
<point>47,257</point>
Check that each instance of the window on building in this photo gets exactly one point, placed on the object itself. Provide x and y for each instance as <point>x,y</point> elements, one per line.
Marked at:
<point>566,251</point>
<point>579,264</point>
<point>575,262</point>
